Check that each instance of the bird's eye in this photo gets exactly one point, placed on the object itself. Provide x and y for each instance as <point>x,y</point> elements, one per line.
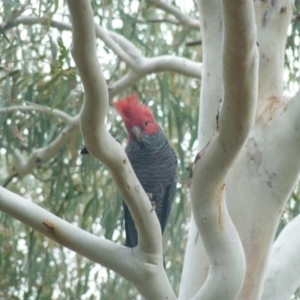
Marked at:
<point>146,123</point>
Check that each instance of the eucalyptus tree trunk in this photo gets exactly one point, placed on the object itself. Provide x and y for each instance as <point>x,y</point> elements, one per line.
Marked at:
<point>263,175</point>
<point>242,176</point>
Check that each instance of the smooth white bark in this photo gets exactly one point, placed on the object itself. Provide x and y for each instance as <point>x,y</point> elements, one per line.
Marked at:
<point>108,253</point>
<point>25,165</point>
<point>146,66</point>
<point>127,52</point>
<point>102,146</point>
<point>259,182</point>
<point>40,108</point>
<point>158,63</point>
<point>272,20</point>
<point>195,266</point>
<point>208,188</point>
<point>182,18</point>
<point>283,272</point>
<point>261,179</point>
<point>141,66</point>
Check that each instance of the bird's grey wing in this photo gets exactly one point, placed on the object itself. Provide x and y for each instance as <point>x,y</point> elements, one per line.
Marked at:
<point>168,201</point>
<point>130,230</point>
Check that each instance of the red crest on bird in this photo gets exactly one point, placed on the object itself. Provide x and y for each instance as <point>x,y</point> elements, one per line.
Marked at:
<point>135,113</point>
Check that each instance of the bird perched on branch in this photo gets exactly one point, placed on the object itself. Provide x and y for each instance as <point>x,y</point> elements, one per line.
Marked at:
<point>153,159</point>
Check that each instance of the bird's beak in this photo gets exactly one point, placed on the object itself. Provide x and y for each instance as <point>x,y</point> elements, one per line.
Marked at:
<point>137,131</point>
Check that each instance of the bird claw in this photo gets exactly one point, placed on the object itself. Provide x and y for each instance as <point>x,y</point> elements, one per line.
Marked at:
<point>150,196</point>
<point>153,206</point>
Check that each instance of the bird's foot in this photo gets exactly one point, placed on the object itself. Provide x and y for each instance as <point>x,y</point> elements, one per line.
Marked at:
<point>153,206</point>
<point>150,195</point>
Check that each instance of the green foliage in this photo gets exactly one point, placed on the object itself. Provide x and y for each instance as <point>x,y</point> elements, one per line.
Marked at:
<point>36,67</point>
<point>292,51</point>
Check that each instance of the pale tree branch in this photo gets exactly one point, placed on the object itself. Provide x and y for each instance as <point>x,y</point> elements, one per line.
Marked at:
<point>273,19</point>
<point>25,166</point>
<point>164,20</point>
<point>36,107</point>
<point>126,51</point>
<point>195,267</point>
<point>127,80</point>
<point>264,175</point>
<point>101,145</point>
<point>155,65</point>
<point>128,47</point>
<point>109,254</point>
<point>282,275</point>
<point>144,65</point>
<point>120,46</point>
<point>100,32</point>
<point>289,123</point>
<point>105,36</point>
<point>184,19</point>
<point>240,56</point>
<point>236,118</point>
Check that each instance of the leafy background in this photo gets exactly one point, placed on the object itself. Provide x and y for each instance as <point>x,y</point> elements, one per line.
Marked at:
<point>36,66</point>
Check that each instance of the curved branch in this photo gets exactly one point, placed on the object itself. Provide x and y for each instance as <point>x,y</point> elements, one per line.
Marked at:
<point>100,32</point>
<point>109,254</point>
<point>144,65</point>
<point>155,65</point>
<point>182,18</point>
<point>36,107</point>
<point>8,180</point>
<point>289,111</point>
<point>98,141</point>
<point>240,56</point>
<point>104,35</point>
<point>195,268</point>
<point>126,51</point>
<point>126,81</point>
<point>222,243</point>
<point>25,166</point>
<point>173,63</point>
<point>127,46</point>
<point>102,146</point>
<point>282,276</point>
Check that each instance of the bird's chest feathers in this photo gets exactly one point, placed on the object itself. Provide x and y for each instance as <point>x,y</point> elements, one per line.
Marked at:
<point>152,163</point>
<point>148,153</point>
